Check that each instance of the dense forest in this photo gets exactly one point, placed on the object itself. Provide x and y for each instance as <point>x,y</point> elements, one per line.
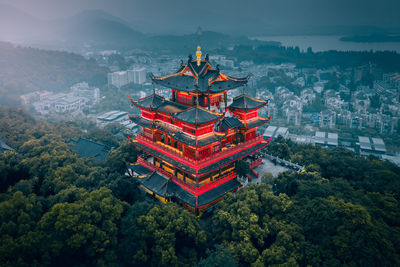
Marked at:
<point>61,210</point>
<point>24,70</point>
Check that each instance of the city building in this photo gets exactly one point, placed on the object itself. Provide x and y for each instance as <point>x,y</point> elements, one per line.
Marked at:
<point>137,76</point>
<point>274,131</point>
<point>121,78</point>
<point>34,96</point>
<point>118,78</point>
<point>368,145</point>
<point>84,90</point>
<point>112,116</point>
<point>325,139</point>
<point>327,119</point>
<point>189,149</point>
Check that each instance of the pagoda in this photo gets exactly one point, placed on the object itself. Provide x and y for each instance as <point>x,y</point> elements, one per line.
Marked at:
<point>192,141</point>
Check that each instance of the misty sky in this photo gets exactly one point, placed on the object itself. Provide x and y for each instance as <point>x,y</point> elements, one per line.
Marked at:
<point>185,15</point>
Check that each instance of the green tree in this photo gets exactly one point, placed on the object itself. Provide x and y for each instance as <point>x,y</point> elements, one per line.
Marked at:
<point>169,235</point>
<point>84,231</point>
<point>242,168</point>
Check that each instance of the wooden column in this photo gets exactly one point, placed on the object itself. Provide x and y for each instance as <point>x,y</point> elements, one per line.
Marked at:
<point>226,100</point>
<point>209,100</point>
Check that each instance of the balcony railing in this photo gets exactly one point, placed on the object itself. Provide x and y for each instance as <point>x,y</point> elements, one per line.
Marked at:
<point>196,190</point>
<point>189,161</point>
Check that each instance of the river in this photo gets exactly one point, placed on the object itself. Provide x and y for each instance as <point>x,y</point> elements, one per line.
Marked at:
<point>329,42</point>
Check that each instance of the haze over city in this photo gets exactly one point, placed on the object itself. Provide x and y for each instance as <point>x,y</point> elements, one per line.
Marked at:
<point>231,16</point>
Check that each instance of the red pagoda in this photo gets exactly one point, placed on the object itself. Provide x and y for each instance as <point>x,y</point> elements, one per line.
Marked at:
<point>192,141</point>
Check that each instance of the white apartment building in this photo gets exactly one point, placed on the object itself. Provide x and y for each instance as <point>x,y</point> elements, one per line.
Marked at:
<point>121,78</point>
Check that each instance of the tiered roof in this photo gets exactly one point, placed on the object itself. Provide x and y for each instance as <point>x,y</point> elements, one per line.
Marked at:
<point>230,123</point>
<point>197,115</point>
<point>158,102</point>
<point>165,187</point>
<point>245,102</point>
<point>204,169</point>
<point>199,75</point>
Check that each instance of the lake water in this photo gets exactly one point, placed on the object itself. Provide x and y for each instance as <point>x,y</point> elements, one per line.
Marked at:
<point>324,43</point>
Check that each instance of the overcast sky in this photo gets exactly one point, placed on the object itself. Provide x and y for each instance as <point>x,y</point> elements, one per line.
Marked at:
<point>182,15</point>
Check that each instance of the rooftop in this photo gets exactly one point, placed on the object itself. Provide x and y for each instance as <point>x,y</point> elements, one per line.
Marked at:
<point>90,149</point>
<point>199,75</point>
<point>246,102</point>
<point>326,139</point>
<point>164,187</point>
<point>368,144</point>
<point>197,115</point>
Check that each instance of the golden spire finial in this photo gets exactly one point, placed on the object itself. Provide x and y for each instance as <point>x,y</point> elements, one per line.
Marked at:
<point>198,55</point>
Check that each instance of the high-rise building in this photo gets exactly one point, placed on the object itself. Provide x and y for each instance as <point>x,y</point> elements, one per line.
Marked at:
<point>190,150</point>
<point>137,75</point>
<point>118,79</point>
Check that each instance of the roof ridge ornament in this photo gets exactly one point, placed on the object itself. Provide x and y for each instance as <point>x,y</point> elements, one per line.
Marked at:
<point>198,55</point>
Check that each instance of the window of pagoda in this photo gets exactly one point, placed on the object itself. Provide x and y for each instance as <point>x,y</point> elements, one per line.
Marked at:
<point>189,152</point>
<point>164,117</point>
<point>245,115</point>
<point>251,134</point>
<point>189,129</point>
<point>213,99</point>
<point>216,148</point>
<point>251,114</point>
<point>205,179</point>
<point>190,179</point>
<point>184,98</point>
<point>199,130</point>
<point>204,153</point>
<point>147,114</point>
<point>147,132</point>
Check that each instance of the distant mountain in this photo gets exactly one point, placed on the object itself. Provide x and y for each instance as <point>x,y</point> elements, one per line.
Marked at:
<point>96,27</point>
<point>208,40</point>
<point>18,26</point>
<point>91,27</point>
<point>24,70</point>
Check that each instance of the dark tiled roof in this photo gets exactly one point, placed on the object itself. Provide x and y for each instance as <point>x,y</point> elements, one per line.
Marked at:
<point>139,169</point>
<point>220,86</point>
<point>141,121</point>
<point>153,101</point>
<point>246,102</point>
<point>165,187</point>
<point>156,183</point>
<point>4,147</point>
<point>197,115</point>
<point>218,192</point>
<point>89,149</point>
<point>204,78</point>
<point>230,122</point>
<point>198,70</point>
<point>256,123</point>
<point>181,194</point>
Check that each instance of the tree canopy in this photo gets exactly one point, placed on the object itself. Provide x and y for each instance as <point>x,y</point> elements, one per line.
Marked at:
<point>59,209</point>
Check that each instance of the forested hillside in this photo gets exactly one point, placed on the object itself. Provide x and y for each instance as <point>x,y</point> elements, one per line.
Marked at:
<point>24,70</point>
<point>57,209</point>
